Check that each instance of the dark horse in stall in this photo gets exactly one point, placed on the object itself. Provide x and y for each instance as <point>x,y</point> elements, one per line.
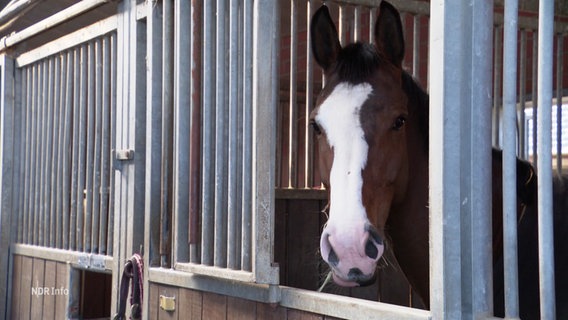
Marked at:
<point>371,122</point>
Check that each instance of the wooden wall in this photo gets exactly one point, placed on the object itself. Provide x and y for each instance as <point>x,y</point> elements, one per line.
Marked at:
<point>41,289</point>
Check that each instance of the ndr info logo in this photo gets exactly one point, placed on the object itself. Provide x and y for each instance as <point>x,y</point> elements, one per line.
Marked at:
<point>49,291</point>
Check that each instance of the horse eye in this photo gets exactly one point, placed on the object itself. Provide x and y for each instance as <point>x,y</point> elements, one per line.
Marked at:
<point>399,122</point>
<point>315,126</point>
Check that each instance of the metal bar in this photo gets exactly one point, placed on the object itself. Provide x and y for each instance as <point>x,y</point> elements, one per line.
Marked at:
<point>113,103</point>
<point>195,127</point>
<point>343,25</point>
<point>67,148</point>
<point>208,152</point>
<point>372,17</point>
<point>509,164</point>
<point>83,93</point>
<point>167,132</point>
<point>182,129</point>
<point>74,201</point>
<point>265,101</point>
<point>106,145</point>
<point>534,95</point>
<point>293,105</point>
<point>21,81</point>
<point>50,22</point>
<point>26,213</point>
<point>32,213</point>
<point>239,140</point>
<point>246,242</point>
<point>97,156</point>
<point>416,47</point>
<point>56,169</point>
<point>221,137</point>
<point>90,167</point>
<point>544,171</point>
<point>356,24</point>
<point>559,74</point>
<point>497,81</point>
<point>47,120</point>
<point>522,138</point>
<point>233,223</point>
<point>309,135</point>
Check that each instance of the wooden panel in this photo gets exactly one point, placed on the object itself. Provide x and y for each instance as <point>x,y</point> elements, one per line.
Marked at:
<point>303,315</point>
<point>38,274</point>
<point>190,304</point>
<point>61,277</point>
<point>270,312</point>
<point>26,287</point>
<point>16,284</point>
<point>168,292</point>
<point>214,306</point>
<point>153,300</point>
<point>97,290</point>
<point>240,309</point>
<point>49,299</point>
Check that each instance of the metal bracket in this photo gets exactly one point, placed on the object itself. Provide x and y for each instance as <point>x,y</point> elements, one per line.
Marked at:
<point>167,303</point>
<point>120,156</point>
<point>91,261</point>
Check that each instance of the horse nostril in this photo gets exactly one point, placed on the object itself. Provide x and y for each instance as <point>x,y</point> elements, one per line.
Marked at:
<point>371,250</point>
<point>332,258</point>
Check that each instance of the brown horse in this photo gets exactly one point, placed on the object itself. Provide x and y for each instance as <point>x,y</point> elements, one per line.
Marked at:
<point>371,122</point>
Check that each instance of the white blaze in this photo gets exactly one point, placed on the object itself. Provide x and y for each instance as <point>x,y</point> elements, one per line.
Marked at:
<point>339,117</point>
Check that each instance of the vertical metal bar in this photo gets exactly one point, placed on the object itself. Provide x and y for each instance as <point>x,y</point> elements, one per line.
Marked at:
<point>208,184</point>
<point>534,94</point>
<point>497,81</point>
<point>36,144</point>
<point>233,223</point>
<point>27,218</point>
<point>309,136</point>
<point>167,131</point>
<point>293,107</point>
<point>221,138</point>
<point>83,92</point>
<point>416,47</point>
<point>105,147</point>
<point>343,25</point>
<point>25,81</point>
<point>195,127</point>
<point>90,167</point>
<point>67,148</point>
<point>47,119</point>
<point>74,201</point>
<point>57,169</point>
<point>113,103</point>
<point>356,24</point>
<point>246,251</point>
<point>20,143</point>
<point>544,150</point>
<point>522,138</point>
<point>372,14</point>
<point>182,115</point>
<point>559,74</point>
<point>509,159</point>
<point>265,100</point>
<point>239,140</point>
<point>97,186</point>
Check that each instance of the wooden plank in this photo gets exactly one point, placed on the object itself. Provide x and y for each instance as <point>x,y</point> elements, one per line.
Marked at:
<point>303,315</point>
<point>61,281</point>
<point>153,300</point>
<point>214,306</point>
<point>240,309</point>
<point>16,284</point>
<point>26,288</point>
<point>49,299</point>
<point>168,292</point>
<point>96,295</point>
<point>38,279</point>
<point>265,311</point>
<point>190,304</point>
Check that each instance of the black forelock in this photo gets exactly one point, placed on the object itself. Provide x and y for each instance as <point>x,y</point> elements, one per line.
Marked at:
<point>357,62</point>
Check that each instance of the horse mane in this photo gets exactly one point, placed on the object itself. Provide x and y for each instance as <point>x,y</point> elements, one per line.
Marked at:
<point>419,104</point>
<point>357,62</point>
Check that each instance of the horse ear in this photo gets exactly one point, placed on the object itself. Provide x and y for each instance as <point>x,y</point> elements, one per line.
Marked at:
<point>325,41</point>
<point>388,34</point>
